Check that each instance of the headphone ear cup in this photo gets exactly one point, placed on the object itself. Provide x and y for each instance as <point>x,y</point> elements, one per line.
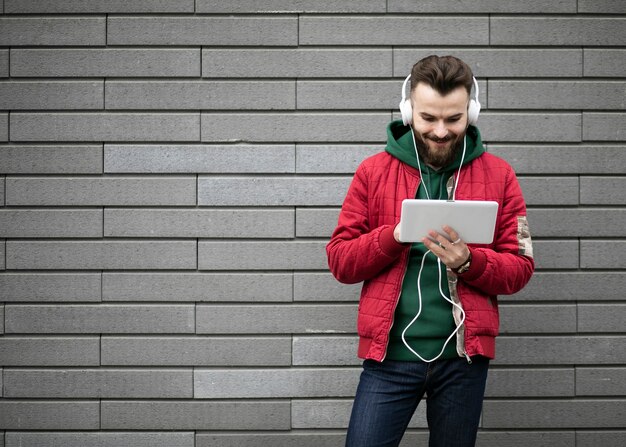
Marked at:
<point>473,110</point>
<point>407,112</point>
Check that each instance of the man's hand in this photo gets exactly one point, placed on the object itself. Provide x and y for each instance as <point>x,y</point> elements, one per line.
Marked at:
<point>452,251</point>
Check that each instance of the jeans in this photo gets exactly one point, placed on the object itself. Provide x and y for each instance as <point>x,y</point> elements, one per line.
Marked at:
<point>389,392</point>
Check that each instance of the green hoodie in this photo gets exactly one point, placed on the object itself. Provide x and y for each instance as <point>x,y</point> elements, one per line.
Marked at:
<point>429,332</point>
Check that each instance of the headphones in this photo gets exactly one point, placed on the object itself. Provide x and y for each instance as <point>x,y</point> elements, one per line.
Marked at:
<point>473,108</point>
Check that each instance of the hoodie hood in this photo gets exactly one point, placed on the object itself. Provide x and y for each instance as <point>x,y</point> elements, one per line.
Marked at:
<point>400,145</point>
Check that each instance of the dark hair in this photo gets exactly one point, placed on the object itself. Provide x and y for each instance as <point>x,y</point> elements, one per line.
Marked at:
<point>442,73</point>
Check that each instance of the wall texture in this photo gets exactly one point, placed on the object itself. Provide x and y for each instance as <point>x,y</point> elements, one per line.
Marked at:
<point>171,170</point>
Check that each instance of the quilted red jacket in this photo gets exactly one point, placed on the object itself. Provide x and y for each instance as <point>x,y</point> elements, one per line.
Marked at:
<point>362,248</point>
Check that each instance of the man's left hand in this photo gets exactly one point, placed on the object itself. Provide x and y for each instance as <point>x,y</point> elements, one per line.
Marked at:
<point>452,251</point>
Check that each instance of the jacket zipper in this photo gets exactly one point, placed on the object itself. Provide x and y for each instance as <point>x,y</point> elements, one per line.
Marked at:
<point>461,332</point>
<point>406,267</point>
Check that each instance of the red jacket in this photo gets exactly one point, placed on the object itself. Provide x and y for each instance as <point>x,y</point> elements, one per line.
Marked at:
<point>362,248</point>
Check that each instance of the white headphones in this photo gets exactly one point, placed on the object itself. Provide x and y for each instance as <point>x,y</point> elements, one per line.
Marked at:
<point>473,108</point>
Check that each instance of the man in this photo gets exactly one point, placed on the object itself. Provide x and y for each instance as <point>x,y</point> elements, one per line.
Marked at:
<point>414,340</point>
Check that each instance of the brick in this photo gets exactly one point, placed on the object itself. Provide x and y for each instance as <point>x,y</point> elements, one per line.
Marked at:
<point>101,191</point>
<point>4,127</point>
<point>536,319</point>
<point>550,190</point>
<point>602,254</point>
<point>523,438</point>
<point>271,191</point>
<point>53,159</point>
<point>332,159</point>
<point>98,383</point>
<point>531,127</point>
<point>484,6</point>
<point>2,254</point>
<point>604,318</point>
<point>1,322</point>
<point>335,413</point>
<point>196,351</point>
<point>569,159</point>
<point>274,383</point>
<point>591,413</point>
<point>49,415</point>
<point>316,222</point>
<point>323,287</point>
<point>326,350</point>
<point>560,350</point>
<point>108,319</point>
<point>101,439</point>
<point>371,94</point>
<point>559,254</point>
<point>105,127</point>
<point>206,31</point>
<point>275,319</point>
<point>600,381</point>
<point>4,63</point>
<point>52,31</point>
<point>271,255</point>
<point>49,351</point>
<point>577,222</point>
<point>553,31</point>
<point>200,415</point>
<point>289,6</point>
<point>308,439</point>
<point>210,223</point>
<point>320,414</point>
<point>2,190</point>
<point>294,127</point>
<point>585,95</point>
<point>46,95</point>
<point>19,287</point>
<point>17,223</point>
<point>605,62</point>
<point>96,6</point>
<point>609,438</point>
<point>393,30</point>
<point>296,63</point>
<point>212,159</point>
<point>554,382</point>
<point>107,62</point>
<point>601,6</point>
<point>500,62</point>
<point>603,126</point>
<point>602,190</point>
<point>197,287</point>
<point>207,95</point>
<point>573,286</point>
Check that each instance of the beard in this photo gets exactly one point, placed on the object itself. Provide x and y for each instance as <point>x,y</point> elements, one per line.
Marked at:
<point>438,157</point>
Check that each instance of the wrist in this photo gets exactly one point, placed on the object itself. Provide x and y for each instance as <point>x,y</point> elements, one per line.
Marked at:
<point>465,265</point>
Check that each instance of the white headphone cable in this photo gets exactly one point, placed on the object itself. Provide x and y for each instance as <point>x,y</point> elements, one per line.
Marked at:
<point>419,295</point>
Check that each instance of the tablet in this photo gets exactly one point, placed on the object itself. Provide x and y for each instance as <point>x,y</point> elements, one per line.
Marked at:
<point>474,220</point>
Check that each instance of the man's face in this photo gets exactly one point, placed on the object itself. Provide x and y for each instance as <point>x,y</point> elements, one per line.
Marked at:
<point>439,123</point>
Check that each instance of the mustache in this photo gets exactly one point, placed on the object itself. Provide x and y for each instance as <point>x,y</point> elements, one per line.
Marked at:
<point>439,140</point>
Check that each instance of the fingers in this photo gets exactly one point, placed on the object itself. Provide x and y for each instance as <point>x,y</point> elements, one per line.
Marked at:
<point>449,248</point>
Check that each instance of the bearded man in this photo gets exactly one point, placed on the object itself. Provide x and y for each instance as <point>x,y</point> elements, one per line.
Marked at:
<point>412,338</point>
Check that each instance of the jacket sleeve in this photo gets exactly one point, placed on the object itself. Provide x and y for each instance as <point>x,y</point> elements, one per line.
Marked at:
<point>356,252</point>
<point>508,267</point>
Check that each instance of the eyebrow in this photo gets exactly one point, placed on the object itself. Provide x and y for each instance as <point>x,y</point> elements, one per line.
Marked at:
<point>428,115</point>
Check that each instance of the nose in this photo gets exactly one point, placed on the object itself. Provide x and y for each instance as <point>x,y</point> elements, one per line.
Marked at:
<point>440,130</point>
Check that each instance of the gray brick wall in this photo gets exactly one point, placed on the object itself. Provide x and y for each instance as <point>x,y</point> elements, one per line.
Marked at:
<point>170,171</point>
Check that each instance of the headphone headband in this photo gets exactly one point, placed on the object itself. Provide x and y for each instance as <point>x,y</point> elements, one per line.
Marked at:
<point>473,108</point>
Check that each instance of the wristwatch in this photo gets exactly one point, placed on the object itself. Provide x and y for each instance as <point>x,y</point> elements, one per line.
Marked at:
<point>464,267</point>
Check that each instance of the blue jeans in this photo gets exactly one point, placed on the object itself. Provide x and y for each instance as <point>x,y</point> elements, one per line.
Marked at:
<point>389,392</point>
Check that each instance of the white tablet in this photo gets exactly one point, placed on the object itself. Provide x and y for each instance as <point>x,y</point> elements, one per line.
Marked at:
<point>474,220</point>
